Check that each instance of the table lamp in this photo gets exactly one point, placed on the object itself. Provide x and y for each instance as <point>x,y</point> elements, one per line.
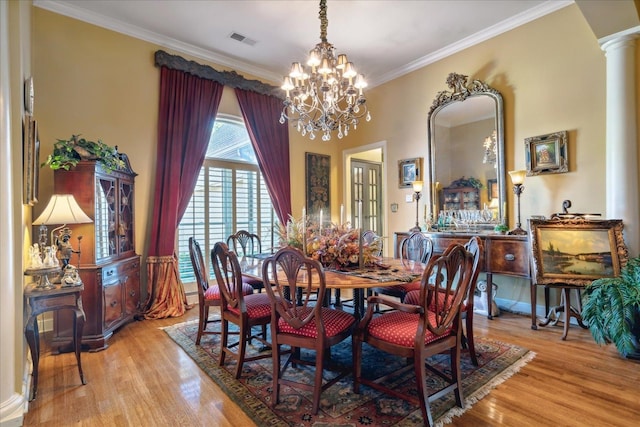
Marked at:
<point>417,192</point>
<point>61,209</point>
<point>517,178</point>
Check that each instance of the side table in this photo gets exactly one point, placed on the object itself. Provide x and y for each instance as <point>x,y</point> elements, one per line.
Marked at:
<point>41,301</point>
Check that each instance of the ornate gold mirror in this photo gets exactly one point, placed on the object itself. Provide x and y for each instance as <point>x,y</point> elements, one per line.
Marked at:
<point>466,151</point>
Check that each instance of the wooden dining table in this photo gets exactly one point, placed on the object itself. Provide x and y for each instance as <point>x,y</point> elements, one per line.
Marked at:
<point>387,272</point>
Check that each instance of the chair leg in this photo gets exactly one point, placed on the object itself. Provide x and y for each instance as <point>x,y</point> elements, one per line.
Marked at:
<point>317,385</point>
<point>242,348</point>
<point>202,324</point>
<point>456,375</point>
<point>224,341</point>
<point>356,350</point>
<point>275,357</point>
<point>423,396</point>
<point>469,334</point>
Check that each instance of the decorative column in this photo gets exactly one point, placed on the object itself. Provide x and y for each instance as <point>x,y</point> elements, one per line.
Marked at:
<point>622,139</point>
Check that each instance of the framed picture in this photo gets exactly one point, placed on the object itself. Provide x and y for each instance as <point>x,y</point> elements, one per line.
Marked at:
<point>31,160</point>
<point>547,154</point>
<point>409,170</point>
<point>492,189</point>
<point>318,184</point>
<point>576,251</point>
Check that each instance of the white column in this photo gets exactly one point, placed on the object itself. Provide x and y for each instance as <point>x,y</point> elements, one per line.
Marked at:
<point>622,140</point>
<point>11,402</point>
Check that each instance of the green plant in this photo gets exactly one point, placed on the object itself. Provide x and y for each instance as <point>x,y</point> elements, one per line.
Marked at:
<point>611,307</point>
<point>501,228</point>
<point>68,152</point>
<point>467,182</point>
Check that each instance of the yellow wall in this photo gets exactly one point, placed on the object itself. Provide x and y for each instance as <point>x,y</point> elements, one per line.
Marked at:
<point>551,73</point>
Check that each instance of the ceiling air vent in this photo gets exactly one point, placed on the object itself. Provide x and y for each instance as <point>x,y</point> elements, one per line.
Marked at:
<point>242,39</point>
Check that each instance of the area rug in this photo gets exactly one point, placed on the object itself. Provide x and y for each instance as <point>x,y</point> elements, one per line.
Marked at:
<point>339,405</point>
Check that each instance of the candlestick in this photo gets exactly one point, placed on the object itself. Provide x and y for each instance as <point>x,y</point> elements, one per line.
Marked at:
<point>304,231</point>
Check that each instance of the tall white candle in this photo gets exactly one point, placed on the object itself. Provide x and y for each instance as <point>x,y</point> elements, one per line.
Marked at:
<point>341,214</point>
<point>304,231</point>
<point>320,226</point>
<point>359,213</point>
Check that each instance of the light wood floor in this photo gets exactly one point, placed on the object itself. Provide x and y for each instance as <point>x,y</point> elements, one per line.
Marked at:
<point>143,379</point>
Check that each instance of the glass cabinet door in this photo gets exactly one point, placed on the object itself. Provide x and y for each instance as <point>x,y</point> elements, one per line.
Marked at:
<point>105,217</point>
<point>125,217</point>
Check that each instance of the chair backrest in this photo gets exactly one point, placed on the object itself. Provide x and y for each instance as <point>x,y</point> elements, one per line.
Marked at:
<point>294,281</point>
<point>229,276</point>
<point>444,287</point>
<point>199,268</point>
<point>416,247</point>
<point>474,245</point>
<point>370,237</point>
<point>244,243</point>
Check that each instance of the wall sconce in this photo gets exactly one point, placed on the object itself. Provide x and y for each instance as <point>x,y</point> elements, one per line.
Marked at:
<point>61,209</point>
<point>517,178</point>
<point>417,192</point>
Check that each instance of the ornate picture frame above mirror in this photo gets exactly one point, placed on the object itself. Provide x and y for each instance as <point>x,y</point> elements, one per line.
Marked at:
<point>466,139</point>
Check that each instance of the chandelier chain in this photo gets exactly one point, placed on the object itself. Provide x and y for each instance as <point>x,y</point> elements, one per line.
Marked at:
<point>324,22</point>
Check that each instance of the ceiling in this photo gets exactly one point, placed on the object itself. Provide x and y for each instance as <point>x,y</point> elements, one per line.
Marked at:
<point>384,39</point>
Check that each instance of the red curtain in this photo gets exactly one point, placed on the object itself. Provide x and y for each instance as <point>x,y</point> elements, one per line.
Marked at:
<point>270,141</point>
<point>188,108</point>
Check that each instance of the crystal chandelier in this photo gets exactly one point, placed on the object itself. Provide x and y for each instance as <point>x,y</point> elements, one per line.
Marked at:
<point>327,96</point>
<point>490,149</point>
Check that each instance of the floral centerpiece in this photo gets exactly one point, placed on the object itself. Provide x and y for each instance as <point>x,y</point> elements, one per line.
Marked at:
<point>337,246</point>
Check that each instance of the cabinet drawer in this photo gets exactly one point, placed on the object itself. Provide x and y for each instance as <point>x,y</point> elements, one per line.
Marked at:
<point>509,257</point>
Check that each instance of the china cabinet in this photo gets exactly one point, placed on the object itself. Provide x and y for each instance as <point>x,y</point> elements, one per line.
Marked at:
<point>459,198</point>
<point>107,263</point>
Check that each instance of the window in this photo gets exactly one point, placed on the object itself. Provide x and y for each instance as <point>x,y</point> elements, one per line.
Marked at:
<point>230,195</point>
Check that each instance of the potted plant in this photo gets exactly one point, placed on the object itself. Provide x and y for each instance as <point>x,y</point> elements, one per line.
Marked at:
<point>68,152</point>
<point>611,307</point>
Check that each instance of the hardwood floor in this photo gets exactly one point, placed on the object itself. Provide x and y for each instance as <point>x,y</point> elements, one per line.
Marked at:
<point>143,379</point>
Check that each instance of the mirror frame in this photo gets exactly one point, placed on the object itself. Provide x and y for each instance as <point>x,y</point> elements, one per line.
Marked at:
<point>460,91</point>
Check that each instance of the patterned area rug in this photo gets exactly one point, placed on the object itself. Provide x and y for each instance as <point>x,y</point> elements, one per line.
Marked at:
<point>339,406</point>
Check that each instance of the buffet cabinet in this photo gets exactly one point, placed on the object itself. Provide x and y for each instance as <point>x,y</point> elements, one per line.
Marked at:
<point>107,263</point>
<point>502,254</point>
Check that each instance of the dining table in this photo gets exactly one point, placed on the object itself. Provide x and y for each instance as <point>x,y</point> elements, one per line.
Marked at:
<point>385,272</point>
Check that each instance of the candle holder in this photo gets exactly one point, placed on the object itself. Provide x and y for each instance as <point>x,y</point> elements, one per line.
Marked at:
<point>517,178</point>
<point>417,193</point>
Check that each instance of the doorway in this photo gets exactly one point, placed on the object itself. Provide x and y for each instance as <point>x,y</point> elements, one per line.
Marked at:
<point>366,187</point>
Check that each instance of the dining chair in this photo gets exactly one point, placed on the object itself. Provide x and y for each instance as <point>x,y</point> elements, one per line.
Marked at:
<point>244,243</point>
<point>417,332</point>
<point>474,246</point>
<point>245,311</point>
<point>299,321</point>
<point>208,295</point>
<point>416,247</point>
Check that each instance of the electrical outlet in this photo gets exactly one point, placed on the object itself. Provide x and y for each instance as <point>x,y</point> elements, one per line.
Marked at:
<point>408,198</point>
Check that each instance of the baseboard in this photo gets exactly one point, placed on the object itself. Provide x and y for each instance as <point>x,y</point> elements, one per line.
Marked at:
<point>12,411</point>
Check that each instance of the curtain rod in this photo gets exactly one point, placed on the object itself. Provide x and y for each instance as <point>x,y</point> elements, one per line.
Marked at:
<point>226,78</point>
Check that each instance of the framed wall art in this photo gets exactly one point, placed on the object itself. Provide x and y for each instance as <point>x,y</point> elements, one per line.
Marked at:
<point>492,189</point>
<point>547,154</point>
<point>409,170</point>
<point>318,184</point>
<point>576,251</point>
<point>31,160</point>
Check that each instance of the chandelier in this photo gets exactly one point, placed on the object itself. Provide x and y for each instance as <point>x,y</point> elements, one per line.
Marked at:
<point>326,96</point>
<point>490,149</point>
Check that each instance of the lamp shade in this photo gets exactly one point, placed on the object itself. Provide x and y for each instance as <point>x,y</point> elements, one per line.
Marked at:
<point>517,177</point>
<point>62,209</point>
<point>417,186</point>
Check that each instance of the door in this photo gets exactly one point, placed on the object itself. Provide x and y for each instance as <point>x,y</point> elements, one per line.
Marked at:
<point>366,180</point>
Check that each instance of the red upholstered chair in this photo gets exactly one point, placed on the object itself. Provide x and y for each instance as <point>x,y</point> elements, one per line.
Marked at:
<point>474,245</point>
<point>208,295</point>
<point>419,331</point>
<point>301,321</point>
<point>246,311</point>
<point>416,247</point>
<point>244,244</point>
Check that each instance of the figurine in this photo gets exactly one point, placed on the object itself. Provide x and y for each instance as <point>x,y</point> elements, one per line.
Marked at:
<point>35,257</point>
<point>64,247</point>
<point>71,276</point>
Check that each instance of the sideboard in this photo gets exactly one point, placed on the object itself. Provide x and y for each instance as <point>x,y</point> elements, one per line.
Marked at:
<point>503,254</point>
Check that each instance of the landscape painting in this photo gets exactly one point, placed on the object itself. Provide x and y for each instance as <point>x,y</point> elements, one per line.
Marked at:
<point>576,251</point>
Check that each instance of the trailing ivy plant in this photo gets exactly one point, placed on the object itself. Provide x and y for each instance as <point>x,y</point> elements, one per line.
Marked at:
<point>68,152</point>
<point>611,307</point>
